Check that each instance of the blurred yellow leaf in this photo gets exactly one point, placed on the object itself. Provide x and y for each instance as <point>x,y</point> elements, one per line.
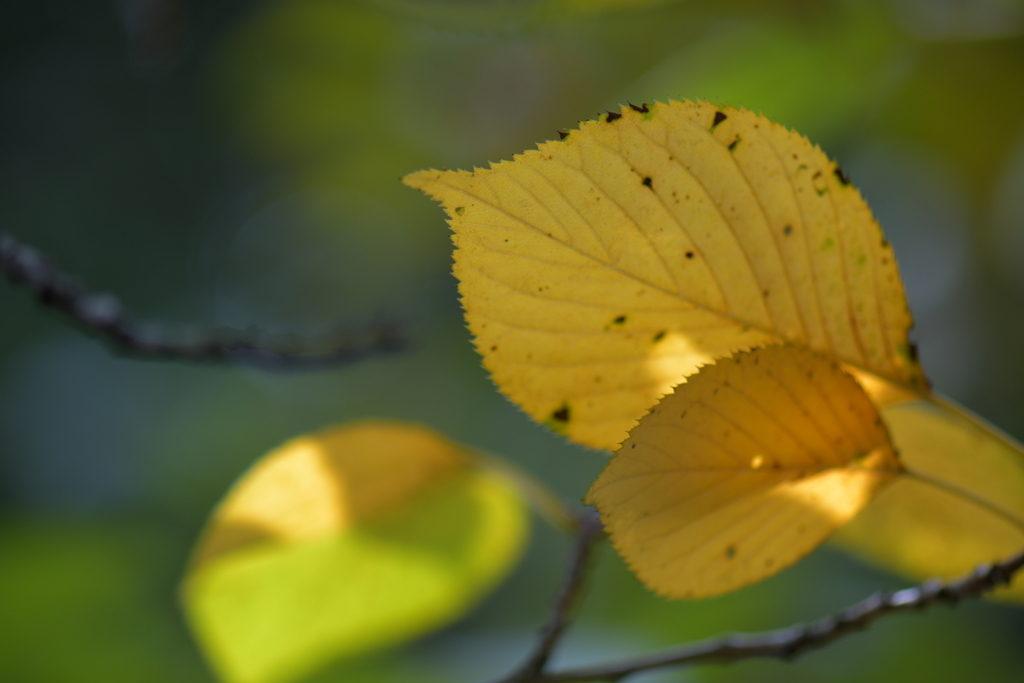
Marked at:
<point>746,468</point>
<point>923,531</point>
<point>345,541</point>
<point>599,271</point>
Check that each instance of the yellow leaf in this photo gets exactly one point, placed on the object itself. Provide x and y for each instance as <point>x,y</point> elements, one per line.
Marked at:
<point>746,468</point>
<point>345,541</point>
<point>601,270</point>
<point>923,531</point>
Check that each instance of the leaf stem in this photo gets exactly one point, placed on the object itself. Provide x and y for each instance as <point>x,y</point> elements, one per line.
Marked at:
<point>967,494</point>
<point>544,501</point>
<point>976,422</point>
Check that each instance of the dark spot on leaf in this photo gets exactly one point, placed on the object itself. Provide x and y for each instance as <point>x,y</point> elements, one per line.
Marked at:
<point>648,182</point>
<point>788,230</point>
<point>689,254</point>
<point>658,337</point>
<point>732,145</point>
<point>841,174</point>
<point>494,348</point>
<point>730,552</point>
<point>459,210</point>
<point>621,320</point>
<point>633,446</point>
<point>642,108</point>
<point>562,134</point>
<point>913,351</point>
<point>562,415</point>
<point>719,117</point>
<point>612,116</point>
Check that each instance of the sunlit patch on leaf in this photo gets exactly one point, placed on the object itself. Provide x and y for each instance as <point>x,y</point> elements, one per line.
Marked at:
<point>711,225</point>
<point>746,468</point>
<point>346,541</point>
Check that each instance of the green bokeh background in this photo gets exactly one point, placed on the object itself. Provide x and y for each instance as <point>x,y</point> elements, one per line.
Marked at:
<point>236,163</point>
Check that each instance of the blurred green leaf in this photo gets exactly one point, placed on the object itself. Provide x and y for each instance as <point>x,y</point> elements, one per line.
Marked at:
<point>344,542</point>
<point>84,601</point>
<point>815,74</point>
<point>303,73</point>
<point>958,92</point>
<point>595,6</point>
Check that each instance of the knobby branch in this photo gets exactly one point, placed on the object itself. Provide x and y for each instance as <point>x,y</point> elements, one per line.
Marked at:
<point>784,644</point>
<point>102,315</point>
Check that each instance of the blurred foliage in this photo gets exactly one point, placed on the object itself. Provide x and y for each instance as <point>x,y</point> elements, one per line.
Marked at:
<point>237,163</point>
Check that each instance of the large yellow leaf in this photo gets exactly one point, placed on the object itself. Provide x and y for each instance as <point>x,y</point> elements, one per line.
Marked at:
<point>923,531</point>
<point>345,541</point>
<point>745,469</point>
<point>599,271</point>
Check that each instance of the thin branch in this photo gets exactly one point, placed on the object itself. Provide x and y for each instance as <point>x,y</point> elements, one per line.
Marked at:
<point>101,315</point>
<point>589,529</point>
<point>789,643</point>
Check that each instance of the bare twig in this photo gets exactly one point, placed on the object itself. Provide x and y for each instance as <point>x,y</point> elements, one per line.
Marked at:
<point>589,529</point>
<point>789,643</point>
<point>101,315</point>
